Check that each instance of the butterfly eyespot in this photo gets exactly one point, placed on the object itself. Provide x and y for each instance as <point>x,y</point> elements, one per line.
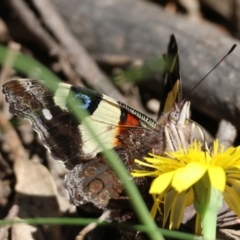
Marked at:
<point>174,116</point>
<point>96,186</point>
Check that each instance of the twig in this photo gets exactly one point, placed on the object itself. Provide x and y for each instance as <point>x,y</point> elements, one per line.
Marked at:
<point>11,214</point>
<point>91,226</point>
<point>32,24</point>
<point>84,64</point>
<point>12,139</point>
<point>42,38</point>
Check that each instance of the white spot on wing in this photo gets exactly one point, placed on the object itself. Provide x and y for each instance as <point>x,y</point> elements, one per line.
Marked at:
<point>47,114</point>
<point>29,86</point>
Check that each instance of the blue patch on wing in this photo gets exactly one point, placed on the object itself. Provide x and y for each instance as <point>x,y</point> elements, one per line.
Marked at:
<point>86,100</point>
<point>90,99</point>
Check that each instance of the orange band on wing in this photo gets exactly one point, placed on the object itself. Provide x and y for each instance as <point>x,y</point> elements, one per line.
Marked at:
<point>127,121</point>
<point>130,120</point>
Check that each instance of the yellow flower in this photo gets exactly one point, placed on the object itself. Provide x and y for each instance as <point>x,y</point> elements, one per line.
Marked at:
<point>193,176</point>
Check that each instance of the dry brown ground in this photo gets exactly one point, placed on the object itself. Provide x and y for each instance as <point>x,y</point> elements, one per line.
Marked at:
<point>84,45</point>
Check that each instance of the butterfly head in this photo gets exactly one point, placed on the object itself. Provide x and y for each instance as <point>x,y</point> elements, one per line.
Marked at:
<point>179,113</point>
<point>175,127</point>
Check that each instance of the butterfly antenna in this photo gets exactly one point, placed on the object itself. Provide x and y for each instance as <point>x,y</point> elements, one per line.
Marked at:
<point>229,52</point>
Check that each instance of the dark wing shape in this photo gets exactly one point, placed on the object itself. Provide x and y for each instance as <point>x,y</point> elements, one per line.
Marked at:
<point>172,86</point>
<point>66,138</point>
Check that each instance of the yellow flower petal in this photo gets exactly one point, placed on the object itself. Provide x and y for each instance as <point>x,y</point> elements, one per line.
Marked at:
<point>168,200</point>
<point>178,206</point>
<point>194,171</point>
<point>141,163</point>
<point>233,174</point>
<point>160,184</point>
<point>198,228</point>
<point>232,199</point>
<point>233,182</point>
<point>217,178</point>
<point>156,205</point>
<point>141,173</point>
<point>186,177</point>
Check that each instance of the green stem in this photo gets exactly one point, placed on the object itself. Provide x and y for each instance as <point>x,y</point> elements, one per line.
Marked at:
<point>209,223</point>
<point>209,218</point>
<point>207,202</point>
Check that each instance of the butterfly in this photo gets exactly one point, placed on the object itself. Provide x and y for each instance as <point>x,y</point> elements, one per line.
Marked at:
<point>129,132</point>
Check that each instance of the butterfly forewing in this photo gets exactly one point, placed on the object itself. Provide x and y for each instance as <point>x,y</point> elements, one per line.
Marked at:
<point>66,138</point>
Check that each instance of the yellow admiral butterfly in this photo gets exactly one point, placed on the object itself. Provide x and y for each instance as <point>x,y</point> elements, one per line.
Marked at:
<point>129,132</point>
